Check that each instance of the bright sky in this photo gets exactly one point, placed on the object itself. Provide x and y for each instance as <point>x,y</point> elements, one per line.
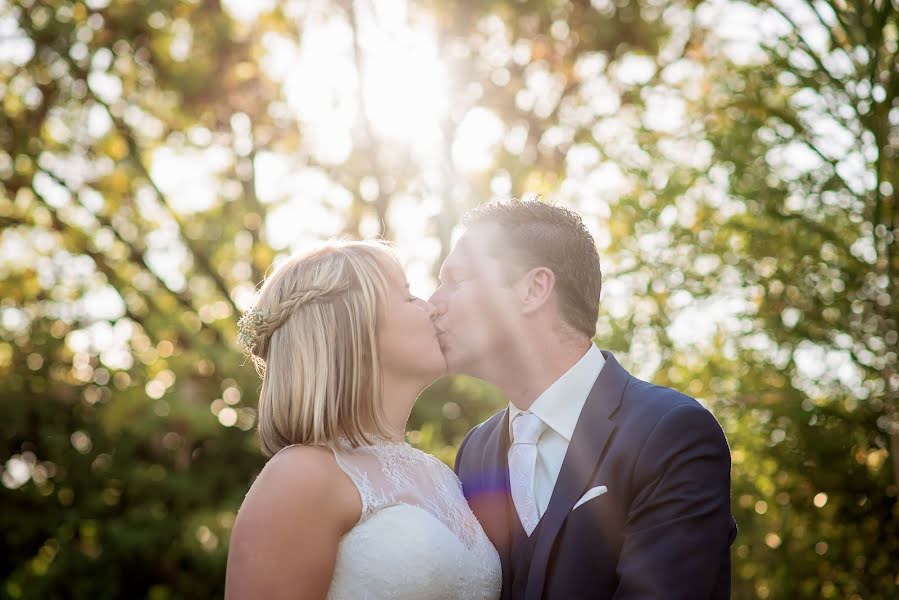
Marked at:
<point>405,88</point>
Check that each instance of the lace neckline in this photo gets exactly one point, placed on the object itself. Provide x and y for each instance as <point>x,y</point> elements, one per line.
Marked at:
<point>376,442</point>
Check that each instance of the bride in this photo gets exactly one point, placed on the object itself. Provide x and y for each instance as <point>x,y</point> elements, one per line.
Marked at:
<point>345,508</point>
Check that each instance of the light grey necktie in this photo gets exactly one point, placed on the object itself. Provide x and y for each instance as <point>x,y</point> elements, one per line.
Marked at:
<point>526,430</point>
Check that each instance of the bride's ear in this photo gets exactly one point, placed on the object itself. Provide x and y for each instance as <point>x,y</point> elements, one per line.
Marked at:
<point>535,289</point>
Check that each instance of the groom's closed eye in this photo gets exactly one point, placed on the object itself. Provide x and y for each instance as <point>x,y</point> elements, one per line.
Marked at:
<point>453,278</point>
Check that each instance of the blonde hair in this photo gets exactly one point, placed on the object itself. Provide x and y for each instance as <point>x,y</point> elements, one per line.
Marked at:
<point>316,349</point>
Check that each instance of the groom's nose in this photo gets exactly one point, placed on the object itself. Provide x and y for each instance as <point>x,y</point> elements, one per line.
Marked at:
<point>430,309</point>
<point>437,301</point>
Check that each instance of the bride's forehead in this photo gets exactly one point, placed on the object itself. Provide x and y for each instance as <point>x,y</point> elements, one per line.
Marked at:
<point>395,277</point>
<point>386,266</point>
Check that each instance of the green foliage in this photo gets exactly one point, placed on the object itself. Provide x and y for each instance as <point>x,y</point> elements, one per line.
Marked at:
<point>767,216</point>
<point>813,245</point>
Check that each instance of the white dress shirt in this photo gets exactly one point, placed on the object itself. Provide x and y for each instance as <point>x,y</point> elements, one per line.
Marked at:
<point>559,406</point>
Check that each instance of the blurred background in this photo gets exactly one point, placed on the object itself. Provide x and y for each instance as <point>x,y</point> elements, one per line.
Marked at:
<point>735,161</point>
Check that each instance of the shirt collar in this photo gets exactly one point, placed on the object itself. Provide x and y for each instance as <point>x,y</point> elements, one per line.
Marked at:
<point>559,406</point>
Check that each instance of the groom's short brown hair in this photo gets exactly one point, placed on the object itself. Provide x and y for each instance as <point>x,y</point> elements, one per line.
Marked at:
<point>537,234</point>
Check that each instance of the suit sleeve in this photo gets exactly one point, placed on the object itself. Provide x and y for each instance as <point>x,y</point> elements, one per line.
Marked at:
<point>679,527</point>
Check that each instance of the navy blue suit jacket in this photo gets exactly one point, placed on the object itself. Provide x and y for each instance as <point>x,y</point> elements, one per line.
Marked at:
<point>664,527</point>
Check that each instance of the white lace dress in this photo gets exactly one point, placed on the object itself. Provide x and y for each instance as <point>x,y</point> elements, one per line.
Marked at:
<point>417,537</point>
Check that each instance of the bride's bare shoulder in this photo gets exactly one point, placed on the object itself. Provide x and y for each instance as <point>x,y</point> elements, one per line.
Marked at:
<point>289,526</point>
<point>315,461</point>
<point>302,480</point>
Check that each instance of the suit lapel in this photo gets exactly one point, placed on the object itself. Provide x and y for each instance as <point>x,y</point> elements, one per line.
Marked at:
<point>592,434</point>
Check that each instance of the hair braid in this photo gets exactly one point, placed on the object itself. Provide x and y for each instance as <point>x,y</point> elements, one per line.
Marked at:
<point>286,308</point>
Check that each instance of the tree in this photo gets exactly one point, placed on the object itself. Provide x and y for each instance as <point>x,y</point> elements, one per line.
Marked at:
<point>743,205</point>
<point>112,353</point>
<point>803,131</point>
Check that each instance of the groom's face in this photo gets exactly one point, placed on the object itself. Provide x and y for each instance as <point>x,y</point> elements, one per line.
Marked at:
<point>476,307</point>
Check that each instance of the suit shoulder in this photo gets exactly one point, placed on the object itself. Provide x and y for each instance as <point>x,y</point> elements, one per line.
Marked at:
<point>651,402</point>
<point>658,419</point>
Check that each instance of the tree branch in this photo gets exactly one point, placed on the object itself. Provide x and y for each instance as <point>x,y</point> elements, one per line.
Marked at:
<point>134,254</point>
<point>198,253</point>
<point>382,200</point>
<point>806,47</point>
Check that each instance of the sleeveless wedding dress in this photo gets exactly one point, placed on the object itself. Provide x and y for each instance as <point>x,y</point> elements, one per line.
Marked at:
<point>417,537</point>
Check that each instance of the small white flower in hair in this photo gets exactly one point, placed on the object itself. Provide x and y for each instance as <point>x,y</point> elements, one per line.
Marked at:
<point>248,327</point>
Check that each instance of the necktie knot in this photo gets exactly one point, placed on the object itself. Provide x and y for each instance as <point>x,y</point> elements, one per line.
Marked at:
<point>527,428</point>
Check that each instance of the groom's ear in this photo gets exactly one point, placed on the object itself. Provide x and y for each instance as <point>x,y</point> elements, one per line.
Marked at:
<point>535,289</point>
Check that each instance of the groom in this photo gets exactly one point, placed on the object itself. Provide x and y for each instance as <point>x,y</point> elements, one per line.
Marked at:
<point>591,483</point>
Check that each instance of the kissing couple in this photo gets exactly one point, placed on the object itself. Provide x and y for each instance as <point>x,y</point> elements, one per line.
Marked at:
<point>590,484</point>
